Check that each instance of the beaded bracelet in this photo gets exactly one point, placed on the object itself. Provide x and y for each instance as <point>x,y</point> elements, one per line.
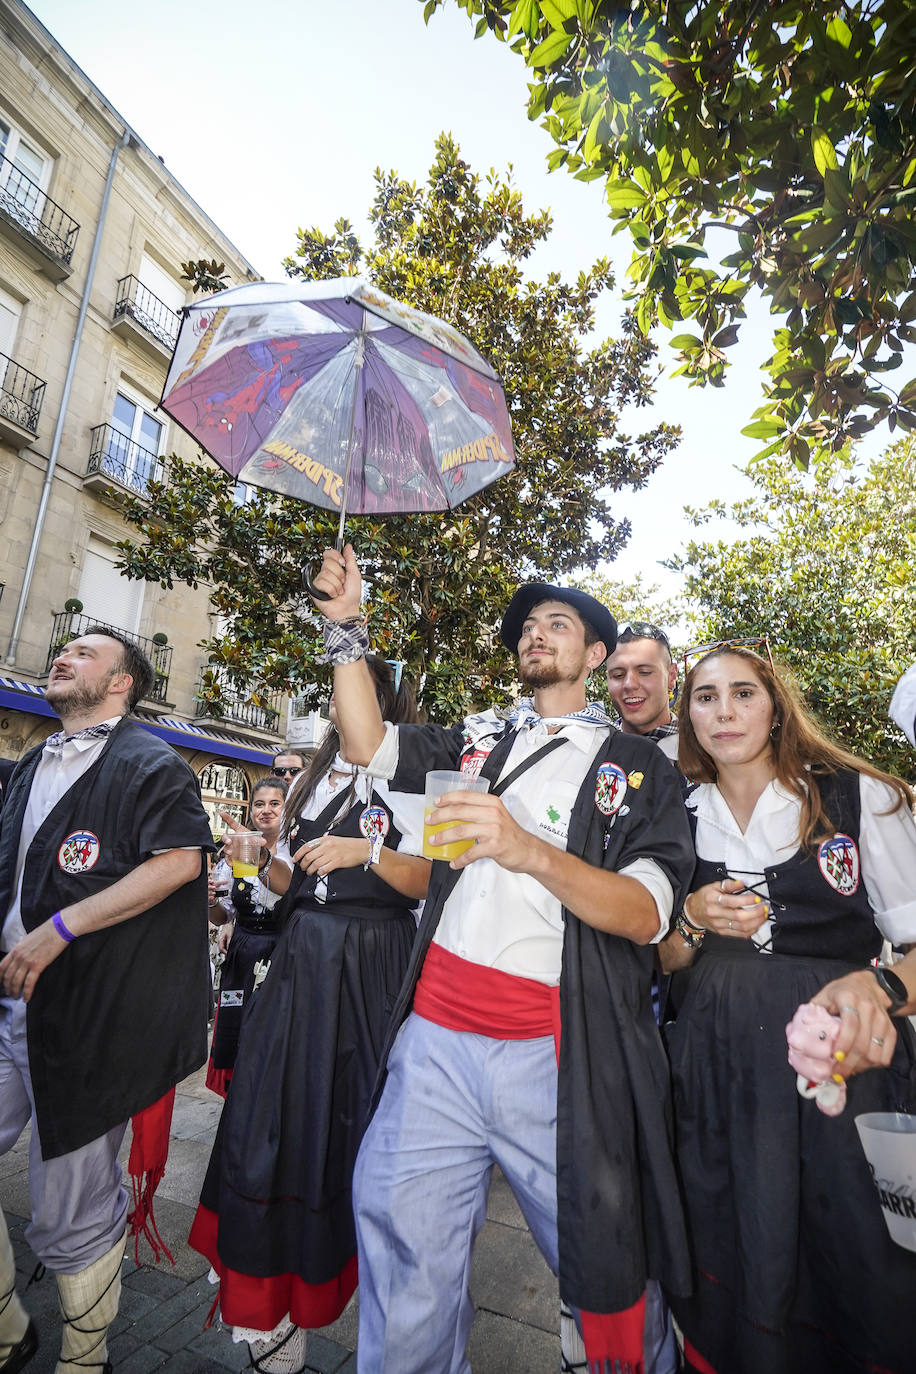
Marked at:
<point>693,936</point>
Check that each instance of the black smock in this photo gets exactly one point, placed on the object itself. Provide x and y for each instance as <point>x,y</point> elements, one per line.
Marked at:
<point>276,1214</point>
<point>619,1214</point>
<point>120,1016</point>
<point>795,1270</point>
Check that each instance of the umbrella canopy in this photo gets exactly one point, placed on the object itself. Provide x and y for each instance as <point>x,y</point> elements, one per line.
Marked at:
<point>336,394</point>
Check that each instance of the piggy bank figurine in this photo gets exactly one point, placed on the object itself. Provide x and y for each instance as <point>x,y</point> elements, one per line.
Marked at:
<point>811,1036</point>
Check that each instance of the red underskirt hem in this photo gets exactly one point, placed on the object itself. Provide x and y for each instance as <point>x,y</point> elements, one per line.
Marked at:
<point>218,1080</point>
<point>261,1303</point>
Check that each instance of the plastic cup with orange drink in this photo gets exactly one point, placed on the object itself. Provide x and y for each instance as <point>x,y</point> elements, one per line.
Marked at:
<point>437,784</point>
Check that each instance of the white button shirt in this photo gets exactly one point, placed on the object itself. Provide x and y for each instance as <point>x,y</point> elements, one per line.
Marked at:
<point>57,771</point>
<point>509,921</point>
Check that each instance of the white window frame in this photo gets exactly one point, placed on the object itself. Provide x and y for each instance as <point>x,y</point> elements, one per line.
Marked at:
<point>160,283</point>
<point>142,407</point>
<point>14,307</point>
<point>16,137</point>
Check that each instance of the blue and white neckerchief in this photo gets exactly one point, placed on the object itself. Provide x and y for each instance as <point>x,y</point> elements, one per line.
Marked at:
<point>593,713</point>
<point>58,740</point>
<point>482,730</point>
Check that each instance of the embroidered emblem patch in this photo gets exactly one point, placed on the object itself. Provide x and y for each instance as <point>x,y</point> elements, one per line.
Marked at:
<point>635,780</point>
<point>79,852</point>
<point>610,788</point>
<point>232,997</point>
<point>374,822</point>
<point>472,763</point>
<point>838,860</point>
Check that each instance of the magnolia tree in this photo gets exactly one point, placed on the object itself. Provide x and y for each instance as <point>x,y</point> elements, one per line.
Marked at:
<point>788,126</point>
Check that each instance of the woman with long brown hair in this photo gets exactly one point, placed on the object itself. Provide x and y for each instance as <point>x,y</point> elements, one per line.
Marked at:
<point>806,862</point>
<point>275,1218</point>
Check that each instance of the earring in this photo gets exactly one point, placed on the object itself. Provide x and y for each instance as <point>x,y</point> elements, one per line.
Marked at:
<point>774,728</point>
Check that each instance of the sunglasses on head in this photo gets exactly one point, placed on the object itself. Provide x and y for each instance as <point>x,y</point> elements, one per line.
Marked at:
<point>285,772</point>
<point>753,642</point>
<point>642,629</point>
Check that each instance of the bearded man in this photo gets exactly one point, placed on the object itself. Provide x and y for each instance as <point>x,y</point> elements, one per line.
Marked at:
<point>103,975</point>
<point>524,1034</point>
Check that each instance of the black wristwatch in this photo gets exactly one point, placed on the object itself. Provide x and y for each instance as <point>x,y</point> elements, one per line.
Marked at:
<point>891,983</point>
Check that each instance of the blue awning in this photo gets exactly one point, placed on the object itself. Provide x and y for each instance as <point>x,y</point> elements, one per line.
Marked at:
<point>191,736</point>
<point>25,696</point>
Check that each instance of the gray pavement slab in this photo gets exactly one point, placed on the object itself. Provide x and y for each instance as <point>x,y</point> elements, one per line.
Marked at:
<point>163,1311</point>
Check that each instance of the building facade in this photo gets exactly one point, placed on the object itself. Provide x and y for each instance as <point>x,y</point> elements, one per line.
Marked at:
<point>93,229</point>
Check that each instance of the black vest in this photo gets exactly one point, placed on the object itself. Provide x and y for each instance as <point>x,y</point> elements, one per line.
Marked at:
<point>818,901</point>
<point>360,890</point>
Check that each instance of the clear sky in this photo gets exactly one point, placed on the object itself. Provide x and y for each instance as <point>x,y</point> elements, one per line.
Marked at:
<point>274,115</point>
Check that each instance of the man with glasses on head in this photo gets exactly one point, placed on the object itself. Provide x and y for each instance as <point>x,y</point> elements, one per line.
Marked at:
<point>641,674</point>
<point>288,765</point>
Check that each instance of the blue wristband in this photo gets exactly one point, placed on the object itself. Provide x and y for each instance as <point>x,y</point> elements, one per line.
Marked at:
<point>57,922</point>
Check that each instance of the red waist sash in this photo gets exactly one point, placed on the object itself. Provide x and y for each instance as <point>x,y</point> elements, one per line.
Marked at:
<point>463,996</point>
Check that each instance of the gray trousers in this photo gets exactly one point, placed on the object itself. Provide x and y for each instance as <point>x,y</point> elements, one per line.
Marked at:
<point>454,1104</point>
<point>78,1205</point>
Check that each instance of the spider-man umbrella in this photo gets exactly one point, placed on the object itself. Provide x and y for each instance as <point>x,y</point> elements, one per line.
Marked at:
<point>336,394</point>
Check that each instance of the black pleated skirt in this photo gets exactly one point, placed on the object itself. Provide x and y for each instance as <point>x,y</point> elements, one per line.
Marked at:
<point>795,1272</point>
<point>280,1175</point>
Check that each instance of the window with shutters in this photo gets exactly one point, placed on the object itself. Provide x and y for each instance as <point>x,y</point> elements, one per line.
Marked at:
<point>105,594</point>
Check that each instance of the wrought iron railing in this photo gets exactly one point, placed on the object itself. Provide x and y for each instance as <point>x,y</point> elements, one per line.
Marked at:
<point>21,394</point>
<point>34,211</point>
<point>234,704</point>
<point>123,459</point>
<point>137,301</point>
<point>69,625</point>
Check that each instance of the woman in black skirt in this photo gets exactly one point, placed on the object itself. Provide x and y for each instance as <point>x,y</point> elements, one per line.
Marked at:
<point>249,927</point>
<point>806,861</point>
<point>275,1218</point>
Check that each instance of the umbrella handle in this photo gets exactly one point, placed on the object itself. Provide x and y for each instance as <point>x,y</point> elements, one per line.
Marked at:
<point>309,585</point>
<point>312,590</point>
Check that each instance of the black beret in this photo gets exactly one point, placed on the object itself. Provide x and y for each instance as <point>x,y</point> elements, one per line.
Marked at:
<point>532,594</point>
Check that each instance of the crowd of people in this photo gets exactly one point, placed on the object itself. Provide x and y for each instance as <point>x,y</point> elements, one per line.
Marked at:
<point>593,995</point>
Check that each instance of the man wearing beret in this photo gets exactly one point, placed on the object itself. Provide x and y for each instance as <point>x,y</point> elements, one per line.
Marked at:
<point>524,1034</point>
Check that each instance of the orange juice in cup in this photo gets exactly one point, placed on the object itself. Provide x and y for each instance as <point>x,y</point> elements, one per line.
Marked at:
<point>437,784</point>
<point>246,853</point>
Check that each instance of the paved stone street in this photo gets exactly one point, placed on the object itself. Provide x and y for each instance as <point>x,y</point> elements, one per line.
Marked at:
<point>163,1309</point>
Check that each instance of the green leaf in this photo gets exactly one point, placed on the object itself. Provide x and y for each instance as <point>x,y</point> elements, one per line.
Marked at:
<point>762,429</point>
<point>591,137</point>
<point>686,343</point>
<point>556,12</point>
<point>824,153</point>
<point>837,189</point>
<point>551,50</point>
<point>687,252</point>
<point>625,195</point>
